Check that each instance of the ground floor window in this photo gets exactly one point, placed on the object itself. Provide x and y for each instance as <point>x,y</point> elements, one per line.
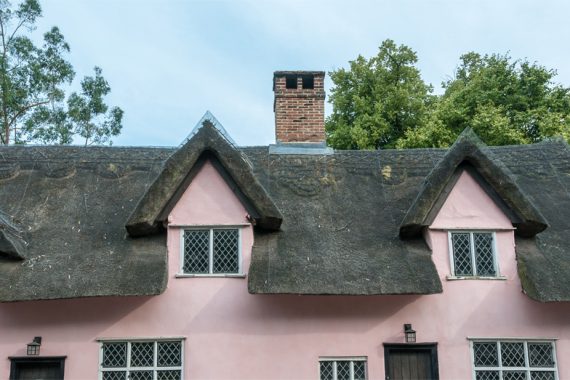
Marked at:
<point>514,360</point>
<point>141,360</point>
<point>342,368</point>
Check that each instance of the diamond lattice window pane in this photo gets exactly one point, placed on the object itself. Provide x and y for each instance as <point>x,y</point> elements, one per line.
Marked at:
<point>485,354</point>
<point>114,355</point>
<point>359,371</point>
<point>115,375</point>
<point>142,354</point>
<point>169,354</point>
<point>226,251</point>
<point>542,375</point>
<point>540,355</point>
<point>141,375</point>
<point>342,370</point>
<point>514,375</point>
<point>462,254</point>
<point>327,371</point>
<point>487,375</point>
<point>196,251</point>
<point>484,254</point>
<point>512,354</point>
<point>169,375</point>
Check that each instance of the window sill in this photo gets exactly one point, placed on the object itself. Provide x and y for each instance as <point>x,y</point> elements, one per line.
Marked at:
<point>221,275</point>
<point>455,278</point>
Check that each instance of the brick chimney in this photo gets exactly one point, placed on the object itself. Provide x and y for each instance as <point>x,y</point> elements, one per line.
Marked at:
<point>299,107</point>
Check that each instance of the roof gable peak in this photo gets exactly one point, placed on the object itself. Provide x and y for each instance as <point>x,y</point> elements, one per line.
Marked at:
<point>209,120</point>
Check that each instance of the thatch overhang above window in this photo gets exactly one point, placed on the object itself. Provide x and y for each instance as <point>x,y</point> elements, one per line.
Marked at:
<point>470,153</point>
<point>207,143</point>
<point>12,244</point>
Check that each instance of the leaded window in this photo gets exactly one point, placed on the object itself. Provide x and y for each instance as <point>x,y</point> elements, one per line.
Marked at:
<point>141,360</point>
<point>342,368</point>
<point>211,251</point>
<point>514,360</point>
<point>473,254</point>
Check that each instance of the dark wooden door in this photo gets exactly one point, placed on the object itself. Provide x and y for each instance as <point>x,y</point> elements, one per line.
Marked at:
<point>37,369</point>
<point>411,361</point>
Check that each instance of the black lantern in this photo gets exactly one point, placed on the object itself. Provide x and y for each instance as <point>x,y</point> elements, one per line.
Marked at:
<point>409,333</point>
<point>34,347</point>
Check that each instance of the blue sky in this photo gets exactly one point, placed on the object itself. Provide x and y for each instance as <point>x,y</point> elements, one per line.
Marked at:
<point>170,61</point>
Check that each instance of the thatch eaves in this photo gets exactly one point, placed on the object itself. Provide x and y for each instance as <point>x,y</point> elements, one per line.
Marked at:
<point>208,142</point>
<point>469,152</point>
<point>68,204</point>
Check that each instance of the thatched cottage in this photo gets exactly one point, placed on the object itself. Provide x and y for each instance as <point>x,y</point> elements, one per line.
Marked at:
<point>288,261</point>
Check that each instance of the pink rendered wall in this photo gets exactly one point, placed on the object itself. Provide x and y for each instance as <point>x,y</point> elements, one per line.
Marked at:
<point>468,206</point>
<point>231,334</point>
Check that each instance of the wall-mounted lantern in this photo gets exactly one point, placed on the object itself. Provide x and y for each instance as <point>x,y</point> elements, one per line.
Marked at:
<point>409,333</point>
<point>34,347</point>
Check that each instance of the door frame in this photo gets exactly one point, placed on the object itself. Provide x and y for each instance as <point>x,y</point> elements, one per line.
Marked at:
<point>17,360</point>
<point>431,348</point>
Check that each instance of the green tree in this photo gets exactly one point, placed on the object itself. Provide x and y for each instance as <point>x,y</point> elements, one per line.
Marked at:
<point>32,86</point>
<point>377,100</point>
<point>505,101</point>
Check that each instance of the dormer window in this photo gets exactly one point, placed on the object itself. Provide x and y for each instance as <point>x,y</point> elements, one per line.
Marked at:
<point>211,251</point>
<point>473,254</point>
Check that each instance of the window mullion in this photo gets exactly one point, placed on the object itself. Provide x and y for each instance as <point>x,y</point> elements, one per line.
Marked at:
<point>211,253</point>
<point>451,252</point>
<point>335,376</point>
<point>500,360</point>
<point>128,359</point>
<point>495,253</point>
<point>351,369</point>
<point>155,362</point>
<point>526,359</point>
<point>472,246</point>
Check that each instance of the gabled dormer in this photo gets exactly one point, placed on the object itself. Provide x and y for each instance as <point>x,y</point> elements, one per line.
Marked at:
<point>468,210</point>
<point>470,153</point>
<point>207,143</point>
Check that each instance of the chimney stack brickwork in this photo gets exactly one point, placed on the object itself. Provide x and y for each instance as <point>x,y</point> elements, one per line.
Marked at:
<point>300,111</point>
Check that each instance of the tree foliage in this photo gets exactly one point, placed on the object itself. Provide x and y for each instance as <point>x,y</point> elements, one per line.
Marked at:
<point>377,100</point>
<point>33,80</point>
<point>505,101</point>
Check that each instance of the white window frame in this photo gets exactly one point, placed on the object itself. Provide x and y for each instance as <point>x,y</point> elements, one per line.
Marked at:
<point>210,273</point>
<point>128,367</point>
<point>350,359</point>
<point>453,276</point>
<point>527,368</point>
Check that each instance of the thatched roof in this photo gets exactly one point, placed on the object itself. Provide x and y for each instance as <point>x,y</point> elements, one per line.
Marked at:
<point>67,208</point>
<point>342,217</point>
